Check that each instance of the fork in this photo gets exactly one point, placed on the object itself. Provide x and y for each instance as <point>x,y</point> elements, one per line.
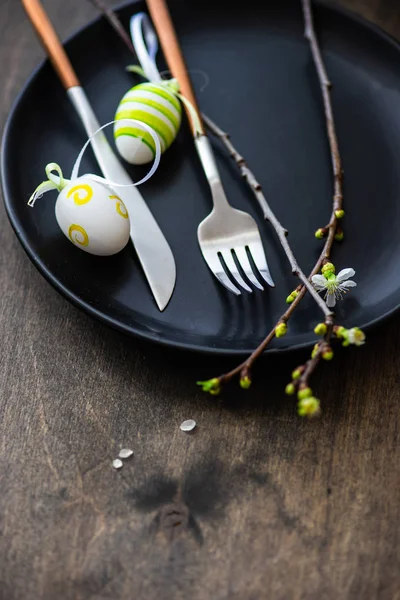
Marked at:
<point>229,238</point>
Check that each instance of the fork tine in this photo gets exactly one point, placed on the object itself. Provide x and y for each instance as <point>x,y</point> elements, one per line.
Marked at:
<point>244,262</point>
<point>224,279</point>
<point>216,267</point>
<point>233,270</point>
<point>257,254</point>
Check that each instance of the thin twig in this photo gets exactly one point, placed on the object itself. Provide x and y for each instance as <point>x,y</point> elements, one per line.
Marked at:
<point>114,21</point>
<point>326,86</point>
<point>337,204</point>
<point>337,170</point>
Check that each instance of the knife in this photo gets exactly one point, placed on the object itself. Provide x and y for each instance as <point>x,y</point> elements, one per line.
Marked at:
<point>152,249</point>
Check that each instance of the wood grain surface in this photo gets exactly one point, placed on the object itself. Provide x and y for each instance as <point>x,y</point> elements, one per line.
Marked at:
<point>255,504</point>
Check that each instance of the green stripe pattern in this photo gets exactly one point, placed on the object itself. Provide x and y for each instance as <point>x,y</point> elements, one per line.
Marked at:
<point>151,104</point>
<point>139,134</point>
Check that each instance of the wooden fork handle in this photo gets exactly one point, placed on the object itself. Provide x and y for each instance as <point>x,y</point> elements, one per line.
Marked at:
<point>51,43</point>
<point>173,54</point>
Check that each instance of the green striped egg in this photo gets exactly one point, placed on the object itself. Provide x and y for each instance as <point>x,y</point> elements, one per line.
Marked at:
<point>154,105</point>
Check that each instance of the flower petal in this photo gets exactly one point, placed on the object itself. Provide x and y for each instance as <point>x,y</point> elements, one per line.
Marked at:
<point>356,336</point>
<point>347,284</point>
<point>345,274</point>
<point>330,300</point>
<point>319,280</point>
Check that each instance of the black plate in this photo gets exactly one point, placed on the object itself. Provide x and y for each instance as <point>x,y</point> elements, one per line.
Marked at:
<point>264,91</point>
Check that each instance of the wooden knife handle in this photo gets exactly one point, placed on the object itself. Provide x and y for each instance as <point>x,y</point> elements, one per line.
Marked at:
<point>164,26</point>
<point>51,42</point>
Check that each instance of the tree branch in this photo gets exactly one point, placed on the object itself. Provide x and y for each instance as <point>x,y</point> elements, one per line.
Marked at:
<point>115,23</point>
<point>337,203</point>
<point>326,86</point>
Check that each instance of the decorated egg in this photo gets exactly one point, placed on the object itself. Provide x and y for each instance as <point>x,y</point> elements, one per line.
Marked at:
<point>93,217</point>
<point>155,105</point>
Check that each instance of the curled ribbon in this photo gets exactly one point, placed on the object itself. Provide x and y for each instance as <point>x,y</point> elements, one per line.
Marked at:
<point>144,40</point>
<point>59,182</point>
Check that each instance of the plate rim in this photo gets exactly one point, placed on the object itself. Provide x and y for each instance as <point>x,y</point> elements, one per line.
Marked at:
<point>88,309</point>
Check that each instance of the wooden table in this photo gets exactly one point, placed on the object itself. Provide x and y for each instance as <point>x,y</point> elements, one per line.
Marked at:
<point>272,506</point>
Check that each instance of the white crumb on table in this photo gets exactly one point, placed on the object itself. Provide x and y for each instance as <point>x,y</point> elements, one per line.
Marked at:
<point>125,453</point>
<point>188,425</point>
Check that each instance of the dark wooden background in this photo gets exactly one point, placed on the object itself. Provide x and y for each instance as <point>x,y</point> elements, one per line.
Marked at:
<point>268,506</point>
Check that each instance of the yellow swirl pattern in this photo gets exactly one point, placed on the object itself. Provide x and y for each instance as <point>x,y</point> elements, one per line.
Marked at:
<point>120,207</point>
<point>87,191</point>
<point>78,235</point>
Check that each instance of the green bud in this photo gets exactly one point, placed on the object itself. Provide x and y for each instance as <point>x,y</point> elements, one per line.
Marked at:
<point>215,391</point>
<point>320,233</point>
<point>292,297</point>
<point>245,382</point>
<point>305,392</point>
<point>320,329</point>
<point>339,331</point>
<point>315,351</point>
<point>339,235</point>
<point>308,407</point>
<point>339,214</point>
<point>328,269</point>
<point>327,354</point>
<point>290,389</point>
<point>212,386</point>
<point>281,329</point>
<point>297,373</point>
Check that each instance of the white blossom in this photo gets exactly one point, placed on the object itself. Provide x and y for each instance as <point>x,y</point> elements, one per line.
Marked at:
<point>355,336</point>
<point>334,286</point>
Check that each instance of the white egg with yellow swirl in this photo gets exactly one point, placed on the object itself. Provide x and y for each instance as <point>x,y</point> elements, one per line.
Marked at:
<point>154,105</point>
<point>93,217</point>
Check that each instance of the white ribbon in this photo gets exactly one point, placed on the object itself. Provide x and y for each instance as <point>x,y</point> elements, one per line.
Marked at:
<point>153,169</point>
<point>58,182</point>
<point>145,42</point>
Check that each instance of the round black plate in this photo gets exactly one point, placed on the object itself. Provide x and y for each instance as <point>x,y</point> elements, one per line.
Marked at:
<point>263,90</point>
